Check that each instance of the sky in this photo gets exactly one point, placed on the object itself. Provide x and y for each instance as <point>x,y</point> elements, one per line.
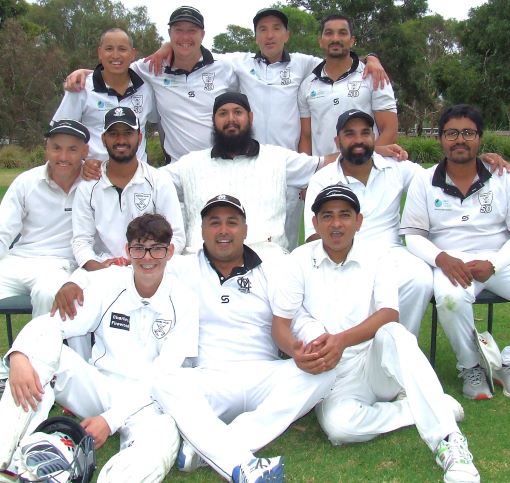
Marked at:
<point>218,14</point>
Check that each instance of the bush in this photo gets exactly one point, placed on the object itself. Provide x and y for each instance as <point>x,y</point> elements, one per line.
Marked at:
<point>422,149</point>
<point>155,154</point>
<point>36,157</point>
<point>12,156</point>
<point>494,143</point>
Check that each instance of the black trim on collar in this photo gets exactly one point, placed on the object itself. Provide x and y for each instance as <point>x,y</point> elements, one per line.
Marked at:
<point>439,180</point>
<point>251,150</point>
<point>318,70</point>
<point>100,85</point>
<point>285,57</point>
<point>250,261</point>
<point>207,59</point>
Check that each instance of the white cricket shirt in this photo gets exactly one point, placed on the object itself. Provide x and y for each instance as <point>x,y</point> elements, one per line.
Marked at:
<point>185,101</point>
<point>91,104</point>
<point>437,210</point>
<point>259,179</point>
<point>35,206</point>
<point>379,199</point>
<point>101,215</point>
<point>335,297</point>
<point>323,100</point>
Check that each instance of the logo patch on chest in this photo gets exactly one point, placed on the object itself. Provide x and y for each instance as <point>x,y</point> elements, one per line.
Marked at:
<point>161,327</point>
<point>244,284</point>
<point>119,321</point>
<point>142,200</point>
<point>485,202</point>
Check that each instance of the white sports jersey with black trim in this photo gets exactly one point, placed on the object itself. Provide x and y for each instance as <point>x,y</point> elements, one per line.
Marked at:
<point>272,90</point>
<point>259,180</point>
<point>35,206</point>
<point>323,101</point>
<point>91,104</point>
<point>437,210</point>
<point>185,101</point>
<point>101,214</point>
<point>379,198</point>
<point>136,338</point>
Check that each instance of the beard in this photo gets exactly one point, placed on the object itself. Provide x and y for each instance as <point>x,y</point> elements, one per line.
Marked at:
<point>123,158</point>
<point>357,159</point>
<point>232,143</point>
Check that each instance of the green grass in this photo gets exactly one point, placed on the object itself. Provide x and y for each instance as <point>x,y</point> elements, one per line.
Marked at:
<point>397,457</point>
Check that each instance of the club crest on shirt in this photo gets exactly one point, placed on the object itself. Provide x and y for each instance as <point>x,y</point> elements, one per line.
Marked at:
<point>244,284</point>
<point>161,327</point>
<point>353,88</point>
<point>119,321</point>
<point>285,77</point>
<point>485,200</point>
<point>142,200</point>
<point>137,101</point>
<point>208,78</point>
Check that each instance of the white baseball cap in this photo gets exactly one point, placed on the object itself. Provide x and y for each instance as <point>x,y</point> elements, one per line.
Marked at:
<point>490,356</point>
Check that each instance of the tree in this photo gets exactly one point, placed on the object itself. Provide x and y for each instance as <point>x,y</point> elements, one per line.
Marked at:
<point>30,87</point>
<point>11,9</point>
<point>235,39</point>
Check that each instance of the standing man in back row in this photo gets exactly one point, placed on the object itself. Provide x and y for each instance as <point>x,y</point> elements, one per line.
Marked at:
<point>337,85</point>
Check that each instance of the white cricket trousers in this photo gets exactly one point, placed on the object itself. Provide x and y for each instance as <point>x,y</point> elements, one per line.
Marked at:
<point>455,309</point>
<point>229,411</point>
<point>359,406</point>
<point>149,440</point>
<point>41,278</point>
<point>415,287</point>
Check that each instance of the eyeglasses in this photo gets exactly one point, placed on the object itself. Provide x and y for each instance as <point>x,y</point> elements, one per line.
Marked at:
<point>467,134</point>
<point>137,252</point>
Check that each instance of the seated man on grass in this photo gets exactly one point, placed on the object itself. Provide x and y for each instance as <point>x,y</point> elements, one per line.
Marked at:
<point>344,302</point>
<point>144,323</point>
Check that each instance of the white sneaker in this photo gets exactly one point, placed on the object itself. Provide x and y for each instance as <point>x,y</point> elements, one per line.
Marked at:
<point>475,383</point>
<point>455,406</point>
<point>502,377</point>
<point>260,470</point>
<point>188,459</point>
<point>456,460</point>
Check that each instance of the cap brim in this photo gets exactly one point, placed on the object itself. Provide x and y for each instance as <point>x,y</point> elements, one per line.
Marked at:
<point>135,127</point>
<point>67,130</point>
<point>215,204</point>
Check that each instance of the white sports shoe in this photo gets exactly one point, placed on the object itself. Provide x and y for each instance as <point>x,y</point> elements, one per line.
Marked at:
<point>456,460</point>
<point>475,384</point>
<point>502,377</point>
<point>456,407</point>
<point>188,459</point>
<point>260,470</point>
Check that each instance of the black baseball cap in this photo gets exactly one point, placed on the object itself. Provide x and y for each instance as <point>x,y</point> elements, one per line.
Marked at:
<point>187,14</point>
<point>123,115</point>
<point>336,192</point>
<point>69,126</point>
<point>345,117</point>
<point>266,12</point>
<point>223,200</point>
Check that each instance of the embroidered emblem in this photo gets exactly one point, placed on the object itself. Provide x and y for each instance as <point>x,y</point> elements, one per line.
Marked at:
<point>353,88</point>
<point>208,78</point>
<point>161,327</point>
<point>137,101</point>
<point>244,284</point>
<point>485,200</point>
<point>142,200</point>
<point>285,77</point>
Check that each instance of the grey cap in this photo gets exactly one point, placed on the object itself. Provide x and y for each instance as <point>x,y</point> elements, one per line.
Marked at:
<point>187,14</point>
<point>266,12</point>
<point>69,126</point>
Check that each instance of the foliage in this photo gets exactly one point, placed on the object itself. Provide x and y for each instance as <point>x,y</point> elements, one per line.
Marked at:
<point>422,149</point>
<point>11,9</point>
<point>235,39</point>
<point>155,151</point>
<point>13,157</point>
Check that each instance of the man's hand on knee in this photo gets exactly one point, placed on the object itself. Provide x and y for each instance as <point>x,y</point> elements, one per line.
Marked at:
<point>64,300</point>
<point>98,428</point>
<point>25,384</point>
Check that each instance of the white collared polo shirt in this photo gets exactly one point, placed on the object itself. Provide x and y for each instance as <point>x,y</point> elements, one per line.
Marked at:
<point>91,104</point>
<point>437,210</point>
<point>335,297</point>
<point>272,90</point>
<point>101,215</point>
<point>185,101</point>
<point>379,198</point>
<point>40,210</point>
<point>323,101</point>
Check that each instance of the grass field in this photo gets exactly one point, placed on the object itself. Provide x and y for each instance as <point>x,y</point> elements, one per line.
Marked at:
<point>397,457</point>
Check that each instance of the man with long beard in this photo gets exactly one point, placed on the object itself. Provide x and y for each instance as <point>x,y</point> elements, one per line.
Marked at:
<point>126,189</point>
<point>237,164</point>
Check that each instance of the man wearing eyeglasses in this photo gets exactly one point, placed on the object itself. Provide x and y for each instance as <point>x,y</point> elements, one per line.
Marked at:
<point>145,323</point>
<point>457,219</point>
<point>127,188</point>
